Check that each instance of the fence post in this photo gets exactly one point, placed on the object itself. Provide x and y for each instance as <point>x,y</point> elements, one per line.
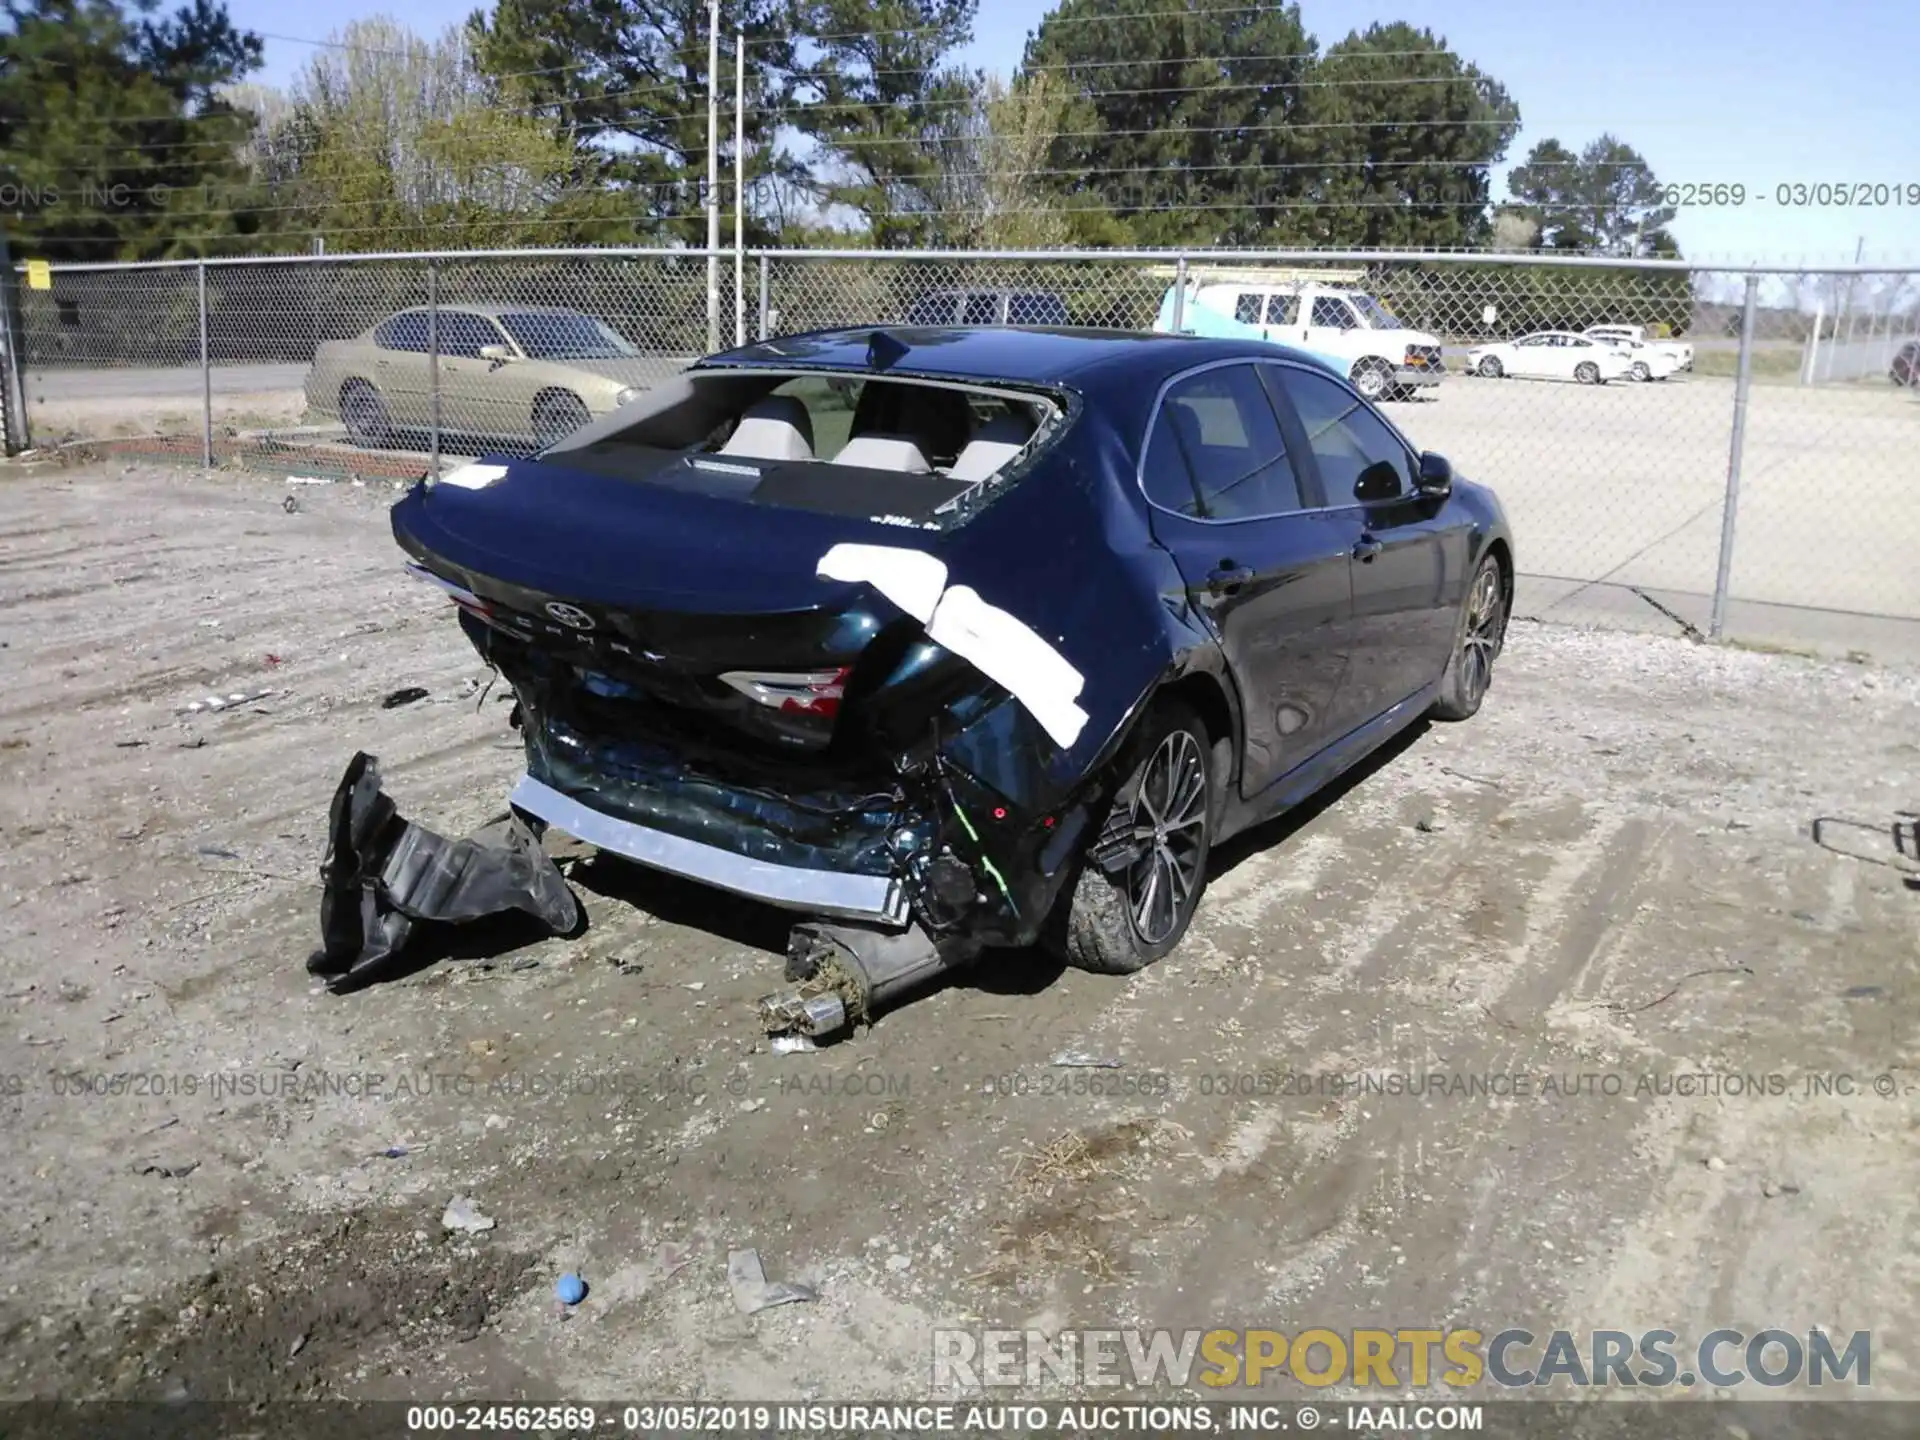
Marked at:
<point>1730,509</point>
<point>713,176</point>
<point>763,297</point>
<point>15,435</point>
<point>433,364</point>
<point>206,374</point>
<point>1179,294</point>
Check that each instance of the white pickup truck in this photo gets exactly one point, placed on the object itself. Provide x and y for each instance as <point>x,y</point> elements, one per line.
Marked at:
<point>1679,350</point>
<point>1382,357</point>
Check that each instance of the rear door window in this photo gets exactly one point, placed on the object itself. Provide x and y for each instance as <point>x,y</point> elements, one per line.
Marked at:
<point>1222,427</point>
<point>1246,308</point>
<point>1283,309</point>
<point>403,332</point>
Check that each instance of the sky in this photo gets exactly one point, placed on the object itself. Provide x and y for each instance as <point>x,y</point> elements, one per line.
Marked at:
<point>1761,93</point>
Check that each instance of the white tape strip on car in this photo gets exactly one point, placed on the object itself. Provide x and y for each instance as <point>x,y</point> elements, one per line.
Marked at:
<point>1000,645</point>
<point>473,477</point>
<point>911,579</point>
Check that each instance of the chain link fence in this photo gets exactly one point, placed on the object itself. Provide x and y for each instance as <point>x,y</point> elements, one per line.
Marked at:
<point>1615,453</point>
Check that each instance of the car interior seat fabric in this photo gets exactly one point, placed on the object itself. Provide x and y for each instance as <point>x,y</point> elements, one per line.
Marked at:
<point>776,428</point>
<point>996,443</point>
<point>884,452</point>
<point>938,420</point>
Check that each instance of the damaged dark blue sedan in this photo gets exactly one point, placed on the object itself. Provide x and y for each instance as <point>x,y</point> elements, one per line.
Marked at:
<point>956,638</point>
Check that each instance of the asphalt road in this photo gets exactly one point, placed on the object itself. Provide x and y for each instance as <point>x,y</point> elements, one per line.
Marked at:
<point>148,384</point>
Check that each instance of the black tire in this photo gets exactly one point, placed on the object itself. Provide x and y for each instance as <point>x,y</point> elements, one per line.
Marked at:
<point>364,412</point>
<point>1115,924</point>
<point>1491,368</point>
<point>557,416</point>
<point>1587,373</point>
<point>1373,380</point>
<point>1478,637</point>
<point>1640,371</point>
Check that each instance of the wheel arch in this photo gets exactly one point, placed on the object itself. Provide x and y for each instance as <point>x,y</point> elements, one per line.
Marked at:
<point>559,392</point>
<point>1210,697</point>
<point>1502,553</point>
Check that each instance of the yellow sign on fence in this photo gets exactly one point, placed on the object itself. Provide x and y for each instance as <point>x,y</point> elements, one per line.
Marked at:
<point>39,275</point>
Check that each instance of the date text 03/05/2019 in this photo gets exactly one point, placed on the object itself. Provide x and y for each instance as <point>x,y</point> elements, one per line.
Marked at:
<point>1794,194</point>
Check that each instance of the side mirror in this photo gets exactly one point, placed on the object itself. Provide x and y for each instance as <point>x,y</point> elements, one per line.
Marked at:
<point>1436,475</point>
<point>498,354</point>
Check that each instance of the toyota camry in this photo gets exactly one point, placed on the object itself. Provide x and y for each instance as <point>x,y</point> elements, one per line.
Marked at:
<point>948,638</point>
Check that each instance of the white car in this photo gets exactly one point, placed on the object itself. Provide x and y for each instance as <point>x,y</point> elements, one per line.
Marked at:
<point>1681,352</point>
<point>1551,355</point>
<point>1644,361</point>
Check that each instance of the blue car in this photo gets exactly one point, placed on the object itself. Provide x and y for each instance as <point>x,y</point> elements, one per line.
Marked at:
<point>949,638</point>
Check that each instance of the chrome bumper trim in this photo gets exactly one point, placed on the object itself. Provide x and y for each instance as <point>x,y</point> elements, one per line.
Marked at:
<point>816,892</point>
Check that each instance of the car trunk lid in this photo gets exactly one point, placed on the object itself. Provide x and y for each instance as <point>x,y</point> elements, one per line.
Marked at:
<point>627,596</point>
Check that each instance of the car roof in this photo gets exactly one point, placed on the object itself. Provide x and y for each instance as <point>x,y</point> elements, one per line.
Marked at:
<point>490,308</point>
<point>1036,355</point>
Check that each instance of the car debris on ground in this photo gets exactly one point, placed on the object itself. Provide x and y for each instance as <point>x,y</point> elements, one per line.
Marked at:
<point>382,873</point>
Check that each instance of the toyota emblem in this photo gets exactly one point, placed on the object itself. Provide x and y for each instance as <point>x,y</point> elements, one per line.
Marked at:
<point>571,616</point>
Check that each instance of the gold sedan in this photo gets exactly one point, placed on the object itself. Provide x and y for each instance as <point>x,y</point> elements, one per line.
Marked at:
<point>506,372</point>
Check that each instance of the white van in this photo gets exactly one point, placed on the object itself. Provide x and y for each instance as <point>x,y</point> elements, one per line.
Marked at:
<point>1381,356</point>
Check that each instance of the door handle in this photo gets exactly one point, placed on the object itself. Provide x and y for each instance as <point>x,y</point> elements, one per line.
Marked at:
<point>1365,548</point>
<point>1228,579</point>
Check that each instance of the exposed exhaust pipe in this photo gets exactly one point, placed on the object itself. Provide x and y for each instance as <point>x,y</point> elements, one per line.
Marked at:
<point>843,974</point>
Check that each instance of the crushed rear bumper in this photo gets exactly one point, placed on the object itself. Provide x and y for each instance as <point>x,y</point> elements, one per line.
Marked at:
<point>877,899</point>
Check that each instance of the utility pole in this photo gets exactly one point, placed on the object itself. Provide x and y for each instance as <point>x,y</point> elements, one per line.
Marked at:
<point>713,175</point>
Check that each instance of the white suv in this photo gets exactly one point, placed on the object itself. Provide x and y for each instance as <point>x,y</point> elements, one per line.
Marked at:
<point>1681,352</point>
<point>1381,356</point>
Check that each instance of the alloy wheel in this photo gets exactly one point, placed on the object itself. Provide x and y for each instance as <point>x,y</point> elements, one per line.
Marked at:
<point>1480,641</point>
<point>1169,823</point>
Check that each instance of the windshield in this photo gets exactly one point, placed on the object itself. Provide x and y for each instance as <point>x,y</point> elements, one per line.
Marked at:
<point>1374,313</point>
<point>566,337</point>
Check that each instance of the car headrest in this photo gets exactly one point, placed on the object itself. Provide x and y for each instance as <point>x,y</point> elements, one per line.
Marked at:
<point>884,452</point>
<point>775,428</point>
<point>992,446</point>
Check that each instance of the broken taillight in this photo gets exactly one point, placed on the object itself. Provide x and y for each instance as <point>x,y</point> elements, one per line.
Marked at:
<point>814,692</point>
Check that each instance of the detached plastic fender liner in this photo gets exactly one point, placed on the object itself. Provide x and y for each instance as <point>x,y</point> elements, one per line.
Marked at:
<point>1000,645</point>
<point>382,873</point>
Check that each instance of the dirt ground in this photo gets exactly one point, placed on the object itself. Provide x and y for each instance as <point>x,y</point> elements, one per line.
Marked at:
<point>1609,873</point>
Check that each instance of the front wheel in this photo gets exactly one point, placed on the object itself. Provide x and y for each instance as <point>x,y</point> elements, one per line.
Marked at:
<point>1490,368</point>
<point>1640,371</point>
<point>1479,635</point>
<point>1587,373</point>
<point>1372,379</point>
<point>1140,881</point>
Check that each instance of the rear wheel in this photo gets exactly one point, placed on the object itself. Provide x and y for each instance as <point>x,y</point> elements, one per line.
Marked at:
<point>365,414</point>
<point>1372,379</point>
<point>1479,635</point>
<point>1640,371</point>
<point>1157,836</point>
<point>1490,368</point>
<point>1587,373</point>
<point>557,416</point>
